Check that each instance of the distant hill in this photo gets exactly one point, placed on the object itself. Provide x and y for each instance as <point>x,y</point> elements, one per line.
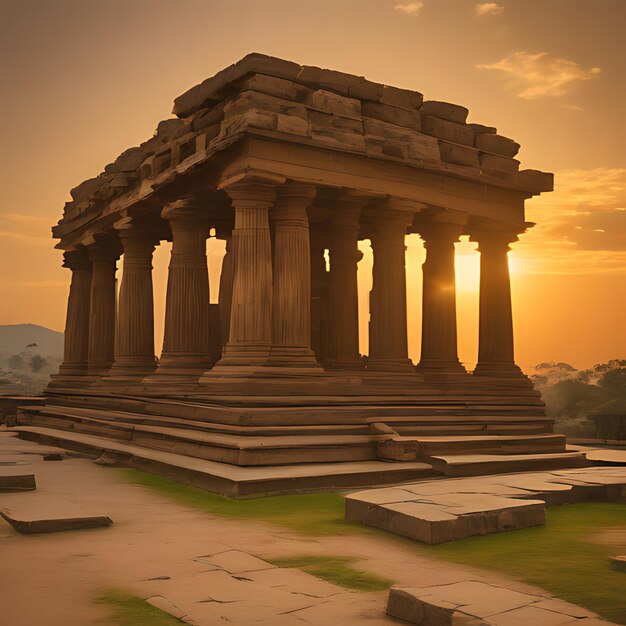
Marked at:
<point>14,339</point>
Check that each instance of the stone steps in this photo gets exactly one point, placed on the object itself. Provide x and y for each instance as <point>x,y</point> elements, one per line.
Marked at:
<point>482,464</point>
<point>230,480</point>
<point>423,447</point>
<point>236,449</point>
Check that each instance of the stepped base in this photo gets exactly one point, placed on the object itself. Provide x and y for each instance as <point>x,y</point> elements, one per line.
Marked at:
<point>230,480</point>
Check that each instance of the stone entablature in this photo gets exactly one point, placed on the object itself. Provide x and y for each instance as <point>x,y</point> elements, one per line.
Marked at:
<point>278,100</point>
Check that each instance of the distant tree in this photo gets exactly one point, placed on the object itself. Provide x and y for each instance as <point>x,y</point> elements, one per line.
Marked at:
<point>614,381</point>
<point>572,398</point>
<point>37,363</point>
<point>16,362</point>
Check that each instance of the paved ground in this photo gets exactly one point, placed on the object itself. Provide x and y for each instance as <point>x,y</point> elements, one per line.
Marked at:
<point>211,563</point>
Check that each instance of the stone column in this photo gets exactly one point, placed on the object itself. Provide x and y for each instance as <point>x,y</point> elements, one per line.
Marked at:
<point>388,349</point>
<point>76,347</point>
<point>186,349</point>
<point>104,258</point>
<point>495,342</point>
<point>439,337</point>
<point>343,349</point>
<point>291,302</point>
<point>250,332</point>
<point>134,357</point>
<point>319,296</point>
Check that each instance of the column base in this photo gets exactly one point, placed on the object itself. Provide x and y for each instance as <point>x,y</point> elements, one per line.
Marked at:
<point>293,357</point>
<point>179,367</point>
<point>435,370</point>
<point>345,364</point>
<point>389,365</point>
<point>254,355</point>
<point>499,369</point>
<point>72,375</point>
<point>128,369</point>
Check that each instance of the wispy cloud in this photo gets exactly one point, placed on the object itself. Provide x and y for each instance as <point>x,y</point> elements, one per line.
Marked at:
<point>409,8</point>
<point>30,230</point>
<point>581,226</point>
<point>487,8</point>
<point>541,74</point>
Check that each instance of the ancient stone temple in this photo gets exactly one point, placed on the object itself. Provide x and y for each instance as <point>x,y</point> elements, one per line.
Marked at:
<point>267,391</point>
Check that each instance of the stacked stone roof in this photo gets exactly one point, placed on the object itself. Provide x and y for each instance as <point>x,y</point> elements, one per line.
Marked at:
<point>325,108</point>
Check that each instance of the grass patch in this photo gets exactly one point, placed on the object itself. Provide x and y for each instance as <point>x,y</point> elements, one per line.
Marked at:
<point>126,609</point>
<point>307,514</point>
<point>336,570</point>
<point>559,557</point>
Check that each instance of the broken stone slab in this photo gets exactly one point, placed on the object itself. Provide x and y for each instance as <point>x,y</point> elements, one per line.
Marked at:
<point>237,562</point>
<point>475,603</point>
<point>163,604</point>
<point>330,102</point>
<point>618,563</point>
<point>212,89</point>
<point>447,130</point>
<point>45,514</point>
<point>392,115</point>
<point>12,479</point>
<point>445,111</point>
<point>497,144</point>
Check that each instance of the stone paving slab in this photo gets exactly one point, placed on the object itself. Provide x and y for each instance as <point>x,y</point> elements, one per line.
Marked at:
<point>618,563</point>
<point>14,478</point>
<point>475,603</point>
<point>437,511</point>
<point>36,513</point>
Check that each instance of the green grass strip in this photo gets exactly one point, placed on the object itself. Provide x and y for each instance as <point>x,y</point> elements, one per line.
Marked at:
<point>559,557</point>
<point>127,609</point>
<point>336,570</point>
<point>307,514</point>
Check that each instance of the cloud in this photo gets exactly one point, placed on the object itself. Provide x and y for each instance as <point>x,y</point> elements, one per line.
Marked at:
<point>29,230</point>
<point>487,8</point>
<point>409,8</point>
<point>541,74</point>
<point>581,226</point>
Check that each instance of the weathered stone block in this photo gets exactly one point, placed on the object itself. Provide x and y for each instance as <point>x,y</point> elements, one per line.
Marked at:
<point>328,79</point>
<point>249,100</point>
<point>87,188</point>
<point>404,605</point>
<point>480,128</point>
<point>402,98</point>
<point>213,89</point>
<point>328,122</point>
<point>293,125</point>
<point>392,115</point>
<point>337,105</point>
<point>128,161</point>
<point>273,86</point>
<point>366,90</point>
<point>207,117</point>
<point>249,119</point>
<point>450,131</point>
<point>445,111</point>
<point>534,180</point>
<point>497,144</point>
<point>461,155</point>
<point>415,145</point>
<point>494,162</point>
<point>336,139</point>
<point>166,129</point>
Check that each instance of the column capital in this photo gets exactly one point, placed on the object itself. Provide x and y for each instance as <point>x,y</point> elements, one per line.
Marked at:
<point>292,202</point>
<point>252,193</point>
<point>444,226</point>
<point>493,239</point>
<point>77,259</point>
<point>187,208</point>
<point>104,251</point>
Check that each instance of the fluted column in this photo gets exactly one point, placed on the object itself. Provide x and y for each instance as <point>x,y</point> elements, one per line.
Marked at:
<point>343,349</point>
<point>388,345</point>
<point>250,332</point>
<point>439,333</point>
<point>495,338</point>
<point>76,343</point>
<point>186,348</point>
<point>134,356</point>
<point>291,303</point>
<point>101,352</point>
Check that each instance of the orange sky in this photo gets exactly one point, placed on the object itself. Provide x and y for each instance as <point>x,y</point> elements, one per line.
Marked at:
<point>82,81</point>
